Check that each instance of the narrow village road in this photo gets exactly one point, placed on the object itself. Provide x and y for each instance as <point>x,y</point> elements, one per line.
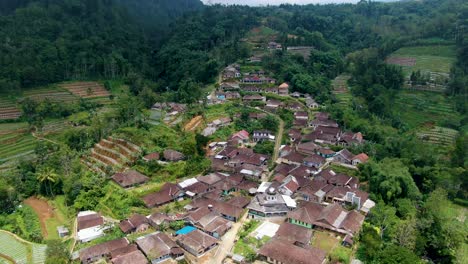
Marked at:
<point>279,139</point>
<point>227,242</point>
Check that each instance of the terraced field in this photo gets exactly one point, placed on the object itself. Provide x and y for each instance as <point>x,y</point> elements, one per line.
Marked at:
<point>54,126</point>
<point>15,141</point>
<point>113,152</point>
<point>418,108</point>
<point>341,90</point>
<point>435,58</point>
<point>8,108</point>
<point>439,135</point>
<point>86,89</point>
<point>21,251</point>
<point>52,93</point>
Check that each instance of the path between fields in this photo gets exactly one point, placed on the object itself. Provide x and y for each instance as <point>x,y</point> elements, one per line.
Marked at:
<point>7,258</point>
<point>43,210</point>
<point>227,241</point>
<point>43,138</point>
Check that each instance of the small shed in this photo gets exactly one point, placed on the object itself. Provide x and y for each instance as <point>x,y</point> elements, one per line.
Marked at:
<point>63,231</point>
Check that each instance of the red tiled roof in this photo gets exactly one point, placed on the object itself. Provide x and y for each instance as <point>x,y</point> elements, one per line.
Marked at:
<point>362,157</point>
<point>152,156</point>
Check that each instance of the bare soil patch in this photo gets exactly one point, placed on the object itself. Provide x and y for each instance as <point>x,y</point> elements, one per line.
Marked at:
<point>402,61</point>
<point>190,126</point>
<point>43,210</point>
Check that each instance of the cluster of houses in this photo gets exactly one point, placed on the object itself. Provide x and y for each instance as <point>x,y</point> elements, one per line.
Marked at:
<point>235,157</point>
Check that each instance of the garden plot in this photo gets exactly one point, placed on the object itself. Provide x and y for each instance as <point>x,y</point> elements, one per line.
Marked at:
<point>439,135</point>
<point>15,145</point>
<point>433,59</point>
<point>86,89</point>
<point>418,108</point>
<point>113,152</point>
<point>21,251</point>
<point>52,94</point>
<point>9,109</point>
<point>341,90</point>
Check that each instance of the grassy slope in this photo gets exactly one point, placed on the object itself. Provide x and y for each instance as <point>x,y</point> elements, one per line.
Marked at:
<point>428,58</point>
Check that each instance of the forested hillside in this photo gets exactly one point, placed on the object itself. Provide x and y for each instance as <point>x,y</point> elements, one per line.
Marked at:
<point>51,41</point>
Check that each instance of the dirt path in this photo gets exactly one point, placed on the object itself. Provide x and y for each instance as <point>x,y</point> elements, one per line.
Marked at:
<point>279,139</point>
<point>227,241</point>
<point>7,258</point>
<point>43,210</point>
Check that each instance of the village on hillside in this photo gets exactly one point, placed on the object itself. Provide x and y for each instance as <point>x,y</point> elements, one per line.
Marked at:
<point>294,201</point>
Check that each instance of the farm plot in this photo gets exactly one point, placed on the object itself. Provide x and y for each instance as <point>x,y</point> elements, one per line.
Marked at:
<point>54,126</point>
<point>9,109</point>
<point>113,152</point>
<point>341,90</point>
<point>52,94</point>
<point>86,89</point>
<point>433,59</point>
<point>439,135</point>
<point>16,147</point>
<point>21,251</point>
<point>420,108</point>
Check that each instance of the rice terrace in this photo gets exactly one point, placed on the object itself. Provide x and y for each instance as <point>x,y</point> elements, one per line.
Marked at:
<point>16,250</point>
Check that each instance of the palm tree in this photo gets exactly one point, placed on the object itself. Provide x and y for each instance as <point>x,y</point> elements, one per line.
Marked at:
<point>47,176</point>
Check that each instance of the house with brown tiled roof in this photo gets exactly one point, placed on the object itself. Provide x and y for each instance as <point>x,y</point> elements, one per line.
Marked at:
<point>132,257</point>
<point>90,225</point>
<point>295,135</point>
<point>158,247</point>
<point>297,235</point>
<point>314,161</point>
<point>151,156</point>
<point>168,193</point>
<point>323,123</point>
<point>313,192</point>
<point>157,219</point>
<point>293,158</point>
<point>301,172</point>
<point>289,186</point>
<point>213,224</point>
<point>129,178</point>
<point>254,98</point>
<point>332,217</point>
<point>281,251</point>
<point>350,139</point>
<point>301,115</point>
<point>197,189</point>
<point>228,211</point>
<point>136,223</point>
<point>196,242</point>
<point>294,106</point>
<point>300,123</point>
<point>326,152</point>
<point>274,104</point>
<point>308,148</point>
<point>211,179</point>
<point>239,201</point>
<point>173,155</point>
<point>344,156</point>
<point>100,251</point>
